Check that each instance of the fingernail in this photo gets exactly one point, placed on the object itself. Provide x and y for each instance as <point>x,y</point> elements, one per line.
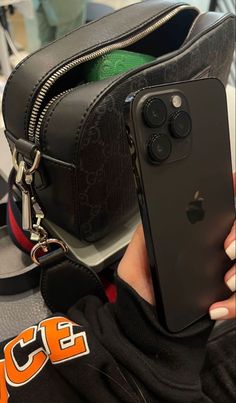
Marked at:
<point>231,283</point>
<point>218,313</point>
<point>231,250</point>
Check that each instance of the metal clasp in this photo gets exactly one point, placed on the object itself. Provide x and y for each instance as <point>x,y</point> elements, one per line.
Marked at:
<point>44,246</point>
<point>22,184</point>
<point>33,167</point>
<point>24,180</point>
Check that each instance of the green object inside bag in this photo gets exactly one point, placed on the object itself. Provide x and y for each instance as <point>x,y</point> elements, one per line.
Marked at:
<point>114,63</point>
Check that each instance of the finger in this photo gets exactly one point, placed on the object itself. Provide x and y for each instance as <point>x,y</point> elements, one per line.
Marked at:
<point>234,182</point>
<point>230,244</point>
<point>135,255</point>
<point>230,278</point>
<point>224,309</point>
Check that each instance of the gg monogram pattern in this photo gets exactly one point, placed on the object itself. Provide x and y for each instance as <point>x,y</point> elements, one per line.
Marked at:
<point>106,192</point>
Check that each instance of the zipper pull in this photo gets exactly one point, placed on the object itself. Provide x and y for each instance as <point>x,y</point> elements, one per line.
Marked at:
<point>37,209</point>
<point>26,211</point>
<point>38,231</point>
<point>21,178</point>
<point>24,179</point>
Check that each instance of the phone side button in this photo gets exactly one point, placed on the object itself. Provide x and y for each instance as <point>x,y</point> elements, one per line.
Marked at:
<point>130,142</point>
<point>138,189</point>
<point>140,199</point>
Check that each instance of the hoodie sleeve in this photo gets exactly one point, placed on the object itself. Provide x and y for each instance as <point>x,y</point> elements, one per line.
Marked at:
<point>104,353</point>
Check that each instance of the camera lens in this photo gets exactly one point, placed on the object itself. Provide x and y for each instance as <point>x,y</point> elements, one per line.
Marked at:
<point>181,124</point>
<point>154,112</point>
<point>159,148</point>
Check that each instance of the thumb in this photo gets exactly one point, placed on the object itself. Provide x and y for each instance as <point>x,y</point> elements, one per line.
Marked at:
<point>134,266</point>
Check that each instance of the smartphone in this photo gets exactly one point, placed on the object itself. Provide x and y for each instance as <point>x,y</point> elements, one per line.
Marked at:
<point>179,143</point>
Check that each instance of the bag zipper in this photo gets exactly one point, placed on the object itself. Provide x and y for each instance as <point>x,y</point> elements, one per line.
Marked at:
<point>43,113</point>
<point>36,122</point>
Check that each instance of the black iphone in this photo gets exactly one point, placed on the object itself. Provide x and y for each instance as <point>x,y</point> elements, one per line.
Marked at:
<point>179,143</point>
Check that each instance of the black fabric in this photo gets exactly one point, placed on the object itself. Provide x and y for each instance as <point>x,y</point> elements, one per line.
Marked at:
<point>219,371</point>
<point>129,358</point>
<point>141,326</point>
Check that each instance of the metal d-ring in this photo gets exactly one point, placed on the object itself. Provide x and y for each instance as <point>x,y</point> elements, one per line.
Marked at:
<point>35,165</point>
<point>44,246</point>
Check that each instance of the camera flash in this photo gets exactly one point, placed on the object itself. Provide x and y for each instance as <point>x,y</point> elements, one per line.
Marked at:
<point>176,101</point>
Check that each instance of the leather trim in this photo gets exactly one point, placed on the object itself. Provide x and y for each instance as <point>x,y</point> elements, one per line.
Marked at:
<point>63,282</point>
<point>26,148</point>
<point>207,19</point>
<point>10,137</point>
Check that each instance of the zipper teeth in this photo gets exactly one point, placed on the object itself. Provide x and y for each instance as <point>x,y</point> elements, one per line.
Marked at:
<point>42,115</point>
<point>46,87</point>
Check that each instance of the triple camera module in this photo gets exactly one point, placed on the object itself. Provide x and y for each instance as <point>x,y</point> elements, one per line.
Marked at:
<point>170,123</point>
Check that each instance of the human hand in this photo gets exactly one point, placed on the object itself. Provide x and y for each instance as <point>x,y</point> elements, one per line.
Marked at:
<point>227,309</point>
<point>134,269</point>
<point>134,266</point>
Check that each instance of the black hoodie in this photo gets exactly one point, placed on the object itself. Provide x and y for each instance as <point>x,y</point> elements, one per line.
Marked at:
<point>107,353</point>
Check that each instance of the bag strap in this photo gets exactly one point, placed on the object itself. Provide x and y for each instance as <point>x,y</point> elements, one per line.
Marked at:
<point>63,281</point>
<point>19,237</point>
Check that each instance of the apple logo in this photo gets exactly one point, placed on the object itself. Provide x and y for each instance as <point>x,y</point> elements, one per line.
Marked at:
<point>195,211</point>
